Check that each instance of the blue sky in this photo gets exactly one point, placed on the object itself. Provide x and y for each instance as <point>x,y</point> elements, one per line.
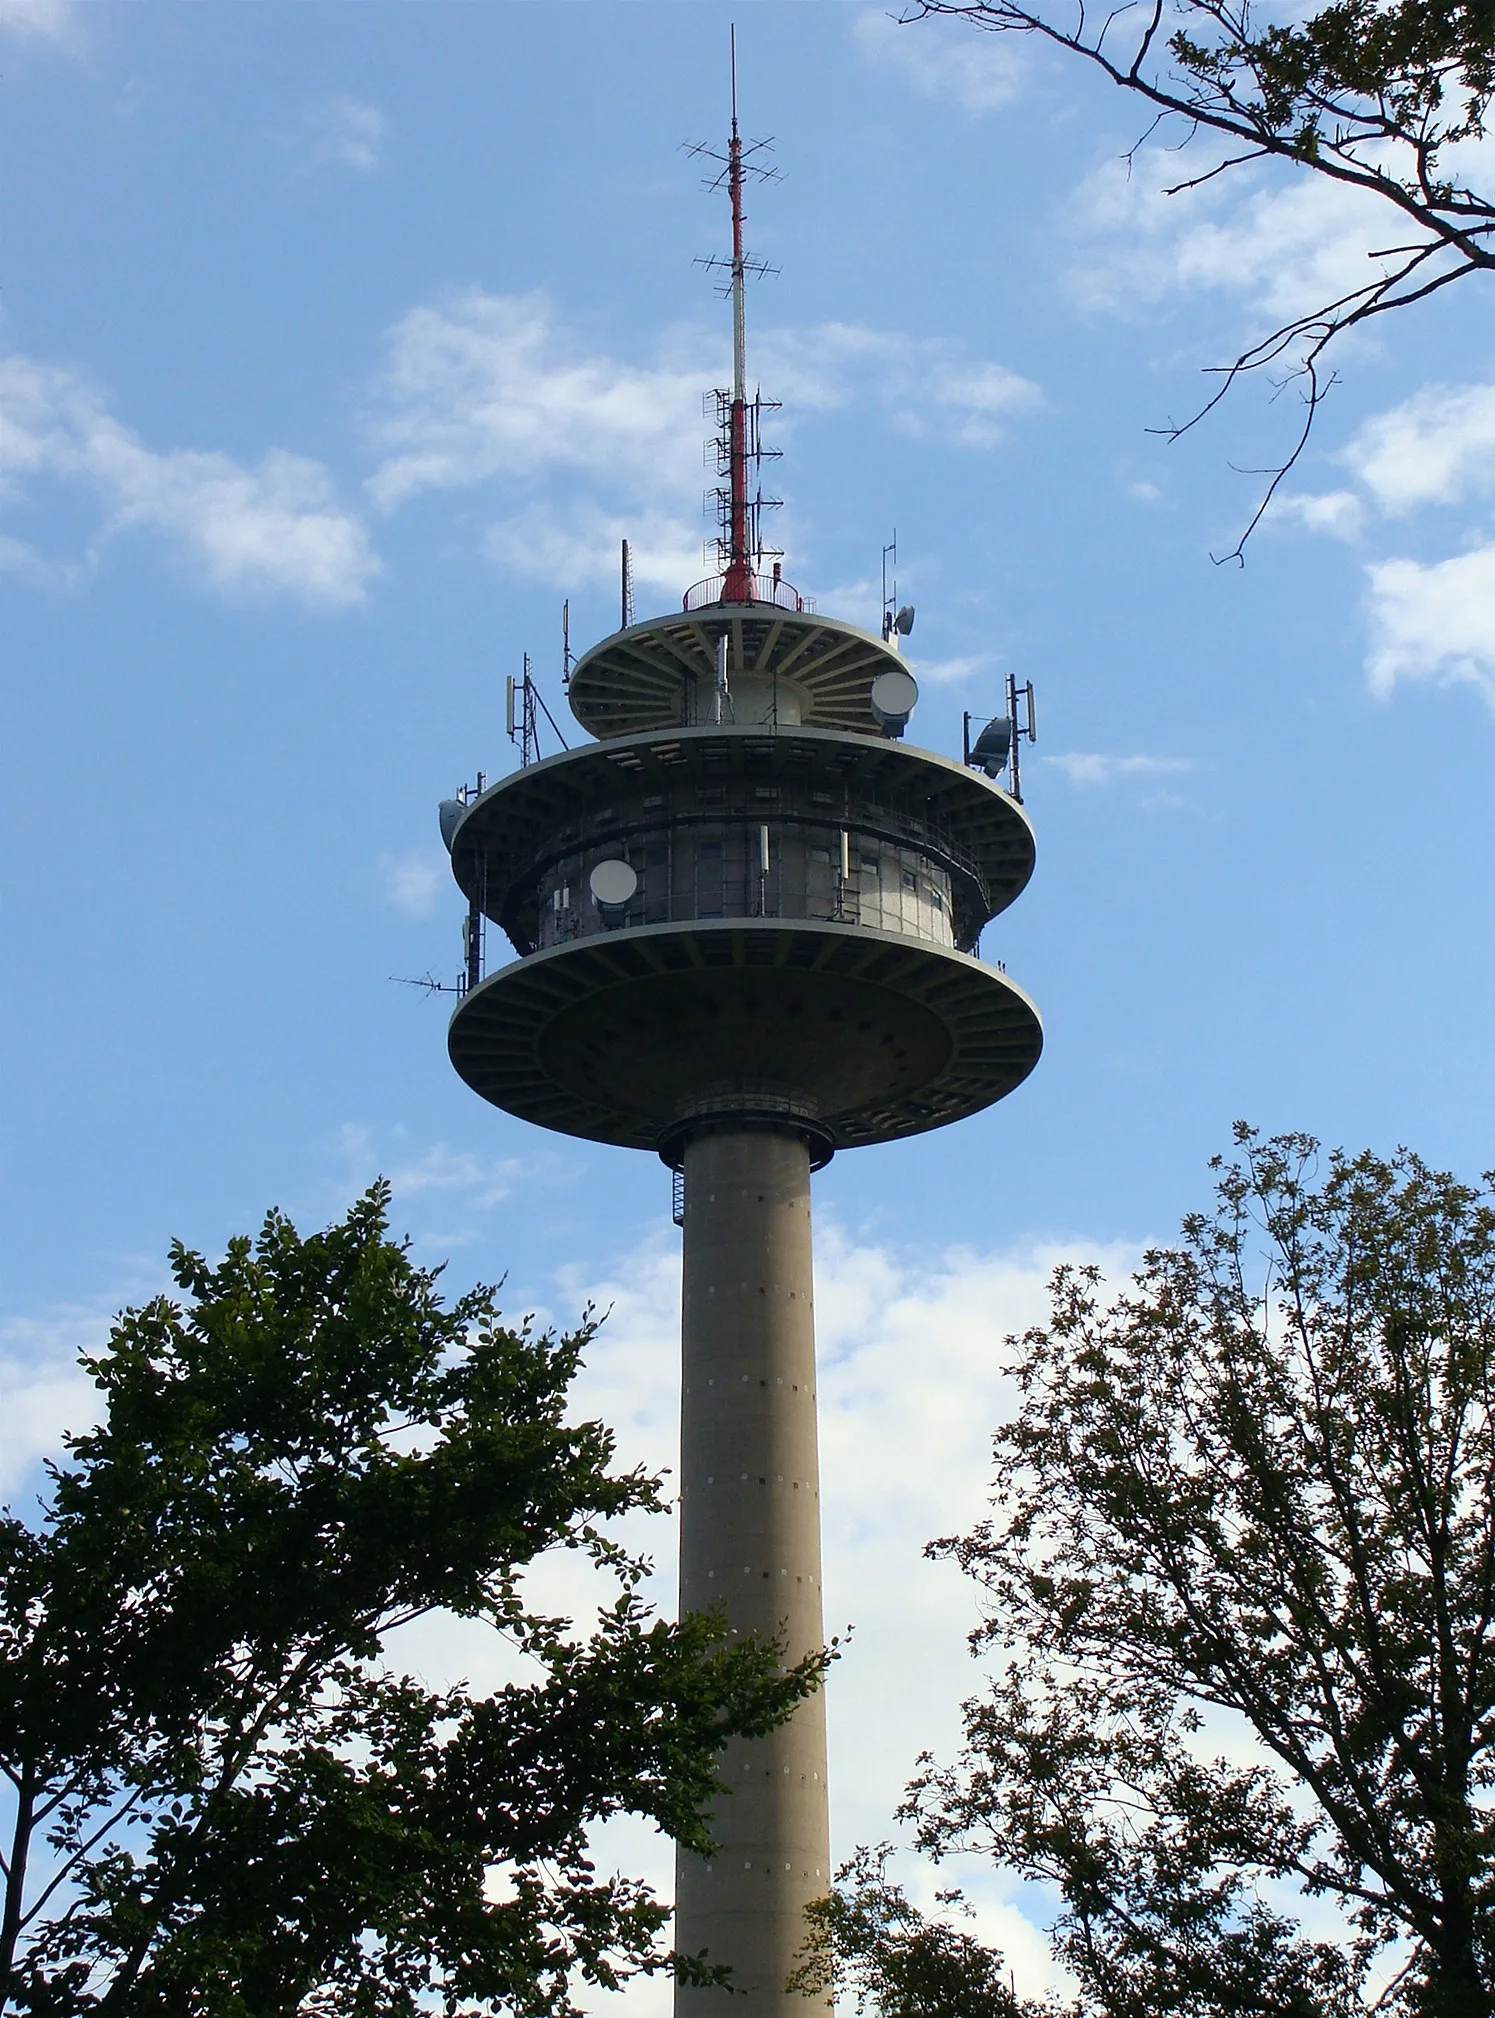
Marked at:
<point>340,342</point>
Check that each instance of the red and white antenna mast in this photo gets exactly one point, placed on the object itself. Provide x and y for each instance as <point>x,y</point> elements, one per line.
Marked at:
<point>739,449</point>
<point>738,584</point>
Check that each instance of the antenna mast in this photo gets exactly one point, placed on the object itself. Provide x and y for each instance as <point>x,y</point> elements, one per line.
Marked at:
<point>738,585</point>
<point>524,704</point>
<point>740,549</point>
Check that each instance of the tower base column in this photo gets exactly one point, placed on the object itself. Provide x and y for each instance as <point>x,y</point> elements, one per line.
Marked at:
<point>750,1543</point>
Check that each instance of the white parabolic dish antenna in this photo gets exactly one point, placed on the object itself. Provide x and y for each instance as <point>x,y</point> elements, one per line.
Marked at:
<point>613,882</point>
<point>894,695</point>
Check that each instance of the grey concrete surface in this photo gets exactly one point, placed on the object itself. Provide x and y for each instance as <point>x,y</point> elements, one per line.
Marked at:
<point>750,1542</point>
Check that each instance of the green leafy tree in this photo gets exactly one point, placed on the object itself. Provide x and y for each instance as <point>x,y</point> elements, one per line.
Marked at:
<point>1389,97</point>
<point>868,1940</point>
<point>1239,1586</point>
<point>223,1801</point>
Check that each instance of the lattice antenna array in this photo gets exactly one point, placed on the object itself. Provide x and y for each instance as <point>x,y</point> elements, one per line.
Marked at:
<point>739,503</point>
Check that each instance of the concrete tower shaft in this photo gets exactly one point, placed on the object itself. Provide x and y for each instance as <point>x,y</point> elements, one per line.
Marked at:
<point>750,1540</point>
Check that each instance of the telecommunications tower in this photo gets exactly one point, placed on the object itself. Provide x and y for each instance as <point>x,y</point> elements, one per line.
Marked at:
<point>746,915</point>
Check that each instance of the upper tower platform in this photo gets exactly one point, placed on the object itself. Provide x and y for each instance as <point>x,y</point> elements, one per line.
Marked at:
<point>785,667</point>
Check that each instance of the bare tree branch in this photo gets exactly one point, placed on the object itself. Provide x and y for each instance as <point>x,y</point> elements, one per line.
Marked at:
<point>1373,95</point>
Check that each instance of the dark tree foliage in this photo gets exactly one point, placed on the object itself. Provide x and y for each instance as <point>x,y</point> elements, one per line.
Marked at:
<point>869,1940</point>
<point>1385,96</point>
<point>1240,1591</point>
<point>222,1802</point>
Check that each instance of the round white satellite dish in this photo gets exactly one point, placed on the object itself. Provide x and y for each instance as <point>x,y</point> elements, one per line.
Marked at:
<point>894,696</point>
<point>613,883</point>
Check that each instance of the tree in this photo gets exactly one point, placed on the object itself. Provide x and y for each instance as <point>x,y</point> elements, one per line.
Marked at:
<point>869,1939</point>
<point>223,1800</point>
<point>1240,1590</point>
<point>1385,96</point>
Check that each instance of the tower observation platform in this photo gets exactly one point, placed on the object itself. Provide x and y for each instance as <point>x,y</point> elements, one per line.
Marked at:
<point>746,916</point>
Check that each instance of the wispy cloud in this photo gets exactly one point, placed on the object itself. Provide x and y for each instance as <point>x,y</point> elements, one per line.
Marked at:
<point>46,1391</point>
<point>39,20</point>
<point>924,386</point>
<point>491,385</point>
<point>484,1181</point>
<point>950,672</point>
<point>478,1182</point>
<point>340,132</point>
<point>1285,241</point>
<point>273,528</point>
<point>1091,767</point>
<point>497,389</point>
<point>579,543</point>
<point>944,58</point>
<point>414,881</point>
<point>1339,513</point>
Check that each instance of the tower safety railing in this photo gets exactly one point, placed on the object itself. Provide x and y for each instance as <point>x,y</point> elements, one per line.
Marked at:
<point>765,589</point>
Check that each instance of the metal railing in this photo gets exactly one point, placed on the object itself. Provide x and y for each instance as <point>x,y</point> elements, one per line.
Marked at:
<point>765,589</point>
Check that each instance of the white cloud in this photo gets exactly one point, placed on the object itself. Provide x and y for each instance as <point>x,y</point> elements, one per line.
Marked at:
<point>341,132</point>
<point>911,1351</point>
<point>1096,768</point>
<point>273,528</point>
<point>1288,242</point>
<point>857,602</point>
<point>1433,622</point>
<point>19,558</point>
<point>413,882</point>
<point>581,545</point>
<point>439,1168</point>
<point>926,386</point>
<point>39,20</point>
<point>1339,513</point>
<point>950,672</point>
<point>435,1171</point>
<point>943,58</point>
<point>488,385</point>
<point>1436,448</point>
<point>46,1391</point>
<point>490,388</point>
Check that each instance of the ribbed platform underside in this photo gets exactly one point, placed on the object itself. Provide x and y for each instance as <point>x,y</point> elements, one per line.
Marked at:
<point>875,1035</point>
<point>660,673</point>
